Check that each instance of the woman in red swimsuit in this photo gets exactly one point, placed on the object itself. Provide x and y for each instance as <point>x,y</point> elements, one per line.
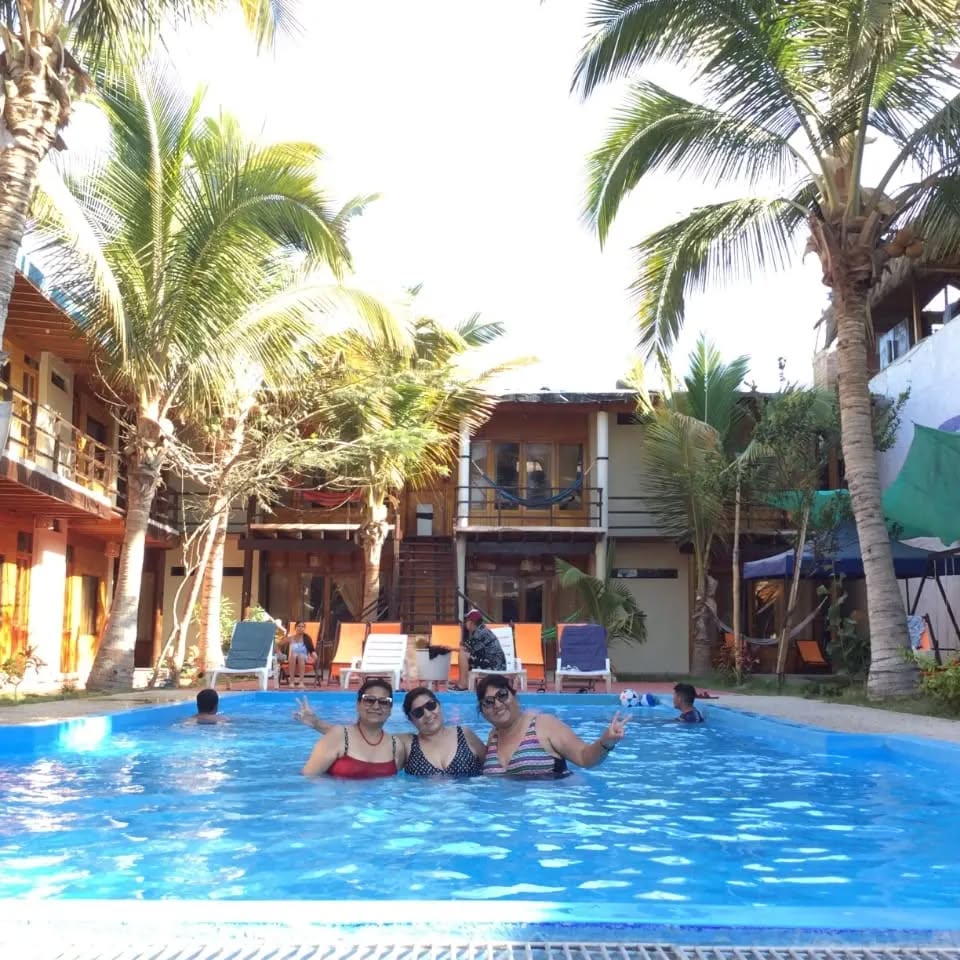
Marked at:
<point>363,750</point>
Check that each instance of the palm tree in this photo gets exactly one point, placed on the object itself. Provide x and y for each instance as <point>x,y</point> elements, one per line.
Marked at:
<point>795,95</point>
<point>172,257</point>
<point>689,444</point>
<point>396,397</point>
<point>605,601</point>
<point>44,42</point>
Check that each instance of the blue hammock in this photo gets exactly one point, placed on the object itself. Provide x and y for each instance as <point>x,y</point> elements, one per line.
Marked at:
<point>535,502</point>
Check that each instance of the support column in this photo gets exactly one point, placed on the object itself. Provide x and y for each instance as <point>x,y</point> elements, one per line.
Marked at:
<point>603,485</point>
<point>461,574</point>
<point>48,578</point>
<point>463,479</point>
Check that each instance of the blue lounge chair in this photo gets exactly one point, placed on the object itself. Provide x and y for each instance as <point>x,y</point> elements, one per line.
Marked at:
<point>251,651</point>
<point>582,655</point>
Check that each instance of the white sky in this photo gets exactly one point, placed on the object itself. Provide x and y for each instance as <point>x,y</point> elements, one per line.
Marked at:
<point>459,115</point>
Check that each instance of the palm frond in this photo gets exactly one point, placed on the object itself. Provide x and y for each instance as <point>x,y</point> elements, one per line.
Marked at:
<point>711,389</point>
<point>712,244</point>
<point>658,131</point>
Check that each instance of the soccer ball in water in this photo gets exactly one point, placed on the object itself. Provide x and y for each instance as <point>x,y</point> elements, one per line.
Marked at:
<point>630,698</point>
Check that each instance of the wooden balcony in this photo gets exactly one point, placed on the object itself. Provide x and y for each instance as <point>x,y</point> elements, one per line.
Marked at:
<point>635,517</point>
<point>47,443</point>
<point>44,438</point>
<point>545,508</point>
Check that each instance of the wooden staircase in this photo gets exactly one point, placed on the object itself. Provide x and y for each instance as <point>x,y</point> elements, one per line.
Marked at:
<point>427,583</point>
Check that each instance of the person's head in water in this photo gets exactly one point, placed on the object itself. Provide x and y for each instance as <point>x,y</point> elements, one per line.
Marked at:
<point>207,702</point>
<point>683,696</point>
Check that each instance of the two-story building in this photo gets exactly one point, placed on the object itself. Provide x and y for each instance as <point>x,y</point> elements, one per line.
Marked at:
<point>62,496</point>
<point>550,475</point>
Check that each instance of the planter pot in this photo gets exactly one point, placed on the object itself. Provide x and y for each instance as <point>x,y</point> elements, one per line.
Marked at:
<point>437,669</point>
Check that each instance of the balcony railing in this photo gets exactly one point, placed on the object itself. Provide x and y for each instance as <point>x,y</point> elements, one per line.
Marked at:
<point>635,516</point>
<point>314,506</point>
<point>45,438</point>
<point>540,507</point>
<point>42,436</point>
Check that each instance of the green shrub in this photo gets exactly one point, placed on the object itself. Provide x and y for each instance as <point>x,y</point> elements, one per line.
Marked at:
<point>942,684</point>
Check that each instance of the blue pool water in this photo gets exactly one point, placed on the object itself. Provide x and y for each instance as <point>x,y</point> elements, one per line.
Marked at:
<point>738,820</point>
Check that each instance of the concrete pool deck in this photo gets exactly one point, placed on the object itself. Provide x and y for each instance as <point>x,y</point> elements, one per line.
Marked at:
<point>842,717</point>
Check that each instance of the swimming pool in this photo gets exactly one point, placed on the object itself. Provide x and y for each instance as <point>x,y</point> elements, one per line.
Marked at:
<point>740,821</point>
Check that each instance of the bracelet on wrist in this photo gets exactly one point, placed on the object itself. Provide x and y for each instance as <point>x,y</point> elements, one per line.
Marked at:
<point>605,747</point>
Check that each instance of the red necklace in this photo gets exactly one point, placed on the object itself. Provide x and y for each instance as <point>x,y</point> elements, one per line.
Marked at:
<point>369,743</point>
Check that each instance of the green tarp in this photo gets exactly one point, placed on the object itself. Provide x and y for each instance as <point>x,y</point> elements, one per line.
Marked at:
<point>832,505</point>
<point>924,500</point>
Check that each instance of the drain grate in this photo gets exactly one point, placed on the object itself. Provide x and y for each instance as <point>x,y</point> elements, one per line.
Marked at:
<point>489,951</point>
<point>815,953</point>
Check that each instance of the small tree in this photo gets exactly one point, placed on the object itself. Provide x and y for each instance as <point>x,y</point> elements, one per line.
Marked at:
<point>13,670</point>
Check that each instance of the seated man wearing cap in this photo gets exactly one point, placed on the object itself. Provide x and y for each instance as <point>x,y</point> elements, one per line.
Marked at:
<point>480,650</point>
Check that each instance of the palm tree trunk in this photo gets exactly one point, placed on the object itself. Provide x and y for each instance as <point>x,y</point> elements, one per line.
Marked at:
<point>32,114</point>
<point>113,666</point>
<point>735,564</point>
<point>703,605</point>
<point>891,674</point>
<point>372,536</point>
<point>210,639</point>
<point>784,643</point>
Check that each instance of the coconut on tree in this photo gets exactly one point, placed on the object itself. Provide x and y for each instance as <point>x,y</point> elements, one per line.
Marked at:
<point>797,96</point>
<point>172,253</point>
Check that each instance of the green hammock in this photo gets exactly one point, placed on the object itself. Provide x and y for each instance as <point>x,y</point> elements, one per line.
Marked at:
<point>924,500</point>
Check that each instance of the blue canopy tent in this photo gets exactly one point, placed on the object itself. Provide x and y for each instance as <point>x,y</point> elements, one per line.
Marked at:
<point>908,562</point>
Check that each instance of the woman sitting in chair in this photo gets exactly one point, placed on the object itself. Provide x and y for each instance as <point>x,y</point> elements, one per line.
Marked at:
<point>362,750</point>
<point>527,744</point>
<point>435,750</point>
<point>300,645</point>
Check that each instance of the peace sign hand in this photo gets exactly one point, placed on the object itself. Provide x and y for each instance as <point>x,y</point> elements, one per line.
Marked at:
<point>615,731</point>
<point>304,713</point>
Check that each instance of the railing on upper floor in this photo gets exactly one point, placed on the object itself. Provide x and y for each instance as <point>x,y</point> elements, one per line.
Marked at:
<point>540,507</point>
<point>635,516</point>
<point>314,506</point>
<point>44,437</point>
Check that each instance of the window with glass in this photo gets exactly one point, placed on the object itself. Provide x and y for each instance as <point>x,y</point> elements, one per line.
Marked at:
<point>534,475</point>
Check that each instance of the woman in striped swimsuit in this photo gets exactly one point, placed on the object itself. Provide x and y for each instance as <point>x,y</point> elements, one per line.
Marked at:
<point>535,744</point>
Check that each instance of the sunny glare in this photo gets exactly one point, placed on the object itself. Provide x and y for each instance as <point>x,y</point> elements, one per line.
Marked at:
<point>459,116</point>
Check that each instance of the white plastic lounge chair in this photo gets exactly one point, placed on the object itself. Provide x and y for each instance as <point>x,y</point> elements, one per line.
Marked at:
<point>251,651</point>
<point>514,668</point>
<point>582,655</point>
<point>384,655</point>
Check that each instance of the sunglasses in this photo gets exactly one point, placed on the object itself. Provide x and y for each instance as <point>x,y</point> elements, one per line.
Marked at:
<point>501,696</point>
<point>372,701</point>
<point>418,712</point>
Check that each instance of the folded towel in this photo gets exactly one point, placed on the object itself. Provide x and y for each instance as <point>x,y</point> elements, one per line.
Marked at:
<point>584,648</point>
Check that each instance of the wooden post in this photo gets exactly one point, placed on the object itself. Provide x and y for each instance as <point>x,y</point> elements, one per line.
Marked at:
<point>246,586</point>
<point>735,563</point>
<point>917,326</point>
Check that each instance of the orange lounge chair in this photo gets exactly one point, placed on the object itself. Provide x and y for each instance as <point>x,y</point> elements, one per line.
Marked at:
<point>811,655</point>
<point>528,638</point>
<point>448,635</point>
<point>350,637</point>
<point>384,626</point>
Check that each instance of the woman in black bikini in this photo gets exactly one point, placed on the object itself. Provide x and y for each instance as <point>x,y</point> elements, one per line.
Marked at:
<point>435,750</point>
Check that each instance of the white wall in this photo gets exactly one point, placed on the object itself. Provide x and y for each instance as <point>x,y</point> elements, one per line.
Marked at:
<point>626,482</point>
<point>930,373</point>
<point>666,604</point>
